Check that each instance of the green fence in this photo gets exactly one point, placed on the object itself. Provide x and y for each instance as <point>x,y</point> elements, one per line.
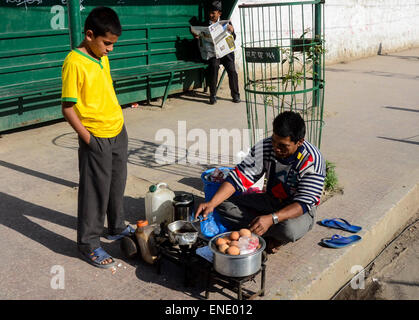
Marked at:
<point>283,61</point>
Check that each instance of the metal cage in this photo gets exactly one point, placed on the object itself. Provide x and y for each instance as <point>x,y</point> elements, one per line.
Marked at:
<point>283,64</point>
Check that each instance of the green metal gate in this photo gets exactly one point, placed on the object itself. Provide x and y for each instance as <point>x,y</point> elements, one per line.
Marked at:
<point>283,63</point>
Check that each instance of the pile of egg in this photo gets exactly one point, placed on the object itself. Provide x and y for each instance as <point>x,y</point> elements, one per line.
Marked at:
<point>239,242</point>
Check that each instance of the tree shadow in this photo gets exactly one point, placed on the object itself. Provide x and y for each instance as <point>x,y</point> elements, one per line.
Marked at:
<point>38,174</point>
<point>15,213</point>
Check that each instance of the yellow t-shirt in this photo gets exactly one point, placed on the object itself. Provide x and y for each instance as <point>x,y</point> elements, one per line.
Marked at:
<point>88,83</point>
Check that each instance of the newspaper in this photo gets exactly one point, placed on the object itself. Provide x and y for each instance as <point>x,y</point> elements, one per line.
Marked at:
<point>215,40</point>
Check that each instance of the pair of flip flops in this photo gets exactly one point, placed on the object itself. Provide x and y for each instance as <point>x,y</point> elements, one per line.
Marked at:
<point>338,241</point>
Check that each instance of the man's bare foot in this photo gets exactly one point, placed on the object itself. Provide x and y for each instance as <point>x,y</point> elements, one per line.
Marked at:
<point>272,245</point>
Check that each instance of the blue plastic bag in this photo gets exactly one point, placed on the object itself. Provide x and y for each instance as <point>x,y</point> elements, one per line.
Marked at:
<point>212,226</point>
<point>217,220</point>
<point>208,227</point>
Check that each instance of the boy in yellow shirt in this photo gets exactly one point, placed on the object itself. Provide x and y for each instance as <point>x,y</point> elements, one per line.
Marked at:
<point>90,105</point>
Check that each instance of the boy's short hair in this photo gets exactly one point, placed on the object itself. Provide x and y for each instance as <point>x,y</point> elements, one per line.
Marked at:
<point>289,124</point>
<point>101,20</point>
<point>215,6</point>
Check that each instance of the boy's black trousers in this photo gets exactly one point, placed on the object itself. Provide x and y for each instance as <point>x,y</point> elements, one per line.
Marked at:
<point>212,74</point>
<point>103,175</point>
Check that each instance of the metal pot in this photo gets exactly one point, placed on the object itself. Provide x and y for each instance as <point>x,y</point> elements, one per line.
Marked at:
<point>182,233</point>
<point>184,206</point>
<point>237,266</point>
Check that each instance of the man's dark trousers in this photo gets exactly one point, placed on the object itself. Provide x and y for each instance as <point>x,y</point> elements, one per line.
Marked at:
<point>239,211</point>
<point>212,74</point>
<point>103,175</point>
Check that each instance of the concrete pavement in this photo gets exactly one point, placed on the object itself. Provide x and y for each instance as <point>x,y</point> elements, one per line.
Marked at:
<point>371,134</point>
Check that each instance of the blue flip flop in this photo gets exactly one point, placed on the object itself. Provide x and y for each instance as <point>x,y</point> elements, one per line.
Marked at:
<point>127,232</point>
<point>339,223</point>
<point>337,241</point>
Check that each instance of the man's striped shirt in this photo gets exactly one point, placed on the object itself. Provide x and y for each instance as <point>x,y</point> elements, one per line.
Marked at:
<point>299,178</point>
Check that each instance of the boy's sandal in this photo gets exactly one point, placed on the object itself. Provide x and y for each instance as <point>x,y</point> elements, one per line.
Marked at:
<point>97,256</point>
<point>128,231</point>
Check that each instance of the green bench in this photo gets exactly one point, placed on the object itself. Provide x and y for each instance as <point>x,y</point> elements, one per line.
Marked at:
<point>169,68</point>
<point>21,90</point>
<point>47,86</point>
<point>30,89</point>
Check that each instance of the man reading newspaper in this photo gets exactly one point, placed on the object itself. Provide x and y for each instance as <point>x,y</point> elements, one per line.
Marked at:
<point>216,44</point>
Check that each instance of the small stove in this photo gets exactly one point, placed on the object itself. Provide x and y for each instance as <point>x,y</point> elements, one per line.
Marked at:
<point>192,264</point>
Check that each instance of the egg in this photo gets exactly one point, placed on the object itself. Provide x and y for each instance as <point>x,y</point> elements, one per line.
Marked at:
<point>234,235</point>
<point>245,233</point>
<point>234,243</point>
<point>234,251</point>
<point>222,248</point>
<point>220,241</point>
<point>227,239</point>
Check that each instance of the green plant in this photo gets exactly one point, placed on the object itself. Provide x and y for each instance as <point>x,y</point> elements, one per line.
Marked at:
<point>299,63</point>
<point>331,180</point>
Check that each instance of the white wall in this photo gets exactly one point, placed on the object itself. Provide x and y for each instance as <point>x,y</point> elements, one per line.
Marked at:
<point>356,28</point>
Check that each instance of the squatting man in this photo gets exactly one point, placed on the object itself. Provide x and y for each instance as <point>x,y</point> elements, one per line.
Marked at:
<point>295,171</point>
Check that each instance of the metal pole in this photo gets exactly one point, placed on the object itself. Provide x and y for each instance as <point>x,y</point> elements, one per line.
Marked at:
<point>316,63</point>
<point>74,22</point>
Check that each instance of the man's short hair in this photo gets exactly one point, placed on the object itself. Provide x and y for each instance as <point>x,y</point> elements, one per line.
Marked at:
<point>215,6</point>
<point>101,20</point>
<point>289,124</point>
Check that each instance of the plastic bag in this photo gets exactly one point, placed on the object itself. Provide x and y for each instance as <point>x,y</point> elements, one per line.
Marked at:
<point>209,227</point>
<point>218,175</point>
<point>248,244</point>
<point>212,226</point>
<point>220,225</point>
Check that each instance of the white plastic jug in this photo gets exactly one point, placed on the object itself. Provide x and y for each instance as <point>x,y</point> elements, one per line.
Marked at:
<point>158,204</point>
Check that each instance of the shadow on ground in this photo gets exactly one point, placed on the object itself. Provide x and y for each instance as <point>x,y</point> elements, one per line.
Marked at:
<point>16,214</point>
<point>163,158</point>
